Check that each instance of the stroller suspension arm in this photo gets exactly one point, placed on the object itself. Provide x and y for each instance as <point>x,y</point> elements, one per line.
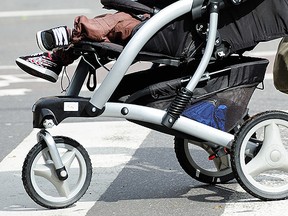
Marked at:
<point>185,95</point>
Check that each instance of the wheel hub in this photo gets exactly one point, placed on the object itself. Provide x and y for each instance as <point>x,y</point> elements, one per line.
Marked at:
<point>275,156</point>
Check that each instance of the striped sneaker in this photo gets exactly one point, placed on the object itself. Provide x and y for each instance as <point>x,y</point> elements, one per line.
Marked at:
<point>53,38</point>
<point>41,65</point>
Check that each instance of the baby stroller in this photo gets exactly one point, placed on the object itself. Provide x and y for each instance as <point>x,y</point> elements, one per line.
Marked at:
<point>200,98</point>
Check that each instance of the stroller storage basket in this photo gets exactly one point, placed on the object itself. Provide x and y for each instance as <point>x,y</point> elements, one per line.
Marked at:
<point>219,100</point>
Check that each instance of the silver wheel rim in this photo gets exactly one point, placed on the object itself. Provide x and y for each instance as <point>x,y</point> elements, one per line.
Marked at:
<point>45,181</point>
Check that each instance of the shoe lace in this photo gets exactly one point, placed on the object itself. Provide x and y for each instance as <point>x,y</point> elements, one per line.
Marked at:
<point>61,37</point>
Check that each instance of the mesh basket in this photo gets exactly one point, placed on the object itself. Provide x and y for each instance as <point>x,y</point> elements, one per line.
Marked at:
<point>222,94</point>
<point>223,110</point>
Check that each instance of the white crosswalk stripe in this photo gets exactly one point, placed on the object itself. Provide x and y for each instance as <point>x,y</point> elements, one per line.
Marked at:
<point>101,139</point>
<point>252,207</point>
<point>7,80</point>
<point>13,92</point>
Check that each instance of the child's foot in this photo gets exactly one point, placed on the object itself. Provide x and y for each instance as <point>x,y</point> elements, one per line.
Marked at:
<point>41,65</point>
<point>49,39</point>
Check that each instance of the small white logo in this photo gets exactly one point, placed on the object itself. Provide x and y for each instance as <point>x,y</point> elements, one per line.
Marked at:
<point>71,106</point>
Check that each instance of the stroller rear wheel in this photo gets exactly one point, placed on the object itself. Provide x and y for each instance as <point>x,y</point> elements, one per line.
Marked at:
<point>259,156</point>
<point>193,158</point>
<point>40,179</point>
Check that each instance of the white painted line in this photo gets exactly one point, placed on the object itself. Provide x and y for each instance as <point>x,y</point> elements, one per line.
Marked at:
<point>13,92</point>
<point>249,206</point>
<point>9,67</point>
<point>29,13</point>
<point>11,78</point>
<point>110,145</point>
<point>6,80</point>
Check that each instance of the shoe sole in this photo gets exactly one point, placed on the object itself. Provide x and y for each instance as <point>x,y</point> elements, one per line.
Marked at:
<point>39,42</point>
<point>37,71</point>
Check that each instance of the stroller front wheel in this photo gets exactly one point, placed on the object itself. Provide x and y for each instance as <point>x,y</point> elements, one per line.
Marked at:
<point>40,179</point>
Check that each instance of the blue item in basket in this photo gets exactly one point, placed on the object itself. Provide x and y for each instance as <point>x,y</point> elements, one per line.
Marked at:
<point>208,113</point>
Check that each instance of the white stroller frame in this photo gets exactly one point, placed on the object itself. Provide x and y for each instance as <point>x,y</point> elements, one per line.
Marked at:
<point>98,105</point>
<point>126,58</point>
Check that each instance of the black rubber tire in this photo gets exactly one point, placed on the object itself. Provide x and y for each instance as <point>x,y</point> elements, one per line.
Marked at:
<point>239,145</point>
<point>27,170</point>
<point>197,171</point>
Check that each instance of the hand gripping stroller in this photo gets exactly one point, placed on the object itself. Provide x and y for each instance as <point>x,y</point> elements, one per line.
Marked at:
<point>223,88</point>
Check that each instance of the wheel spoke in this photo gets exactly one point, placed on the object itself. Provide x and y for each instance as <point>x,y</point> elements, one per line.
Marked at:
<point>44,170</point>
<point>62,188</point>
<point>278,156</point>
<point>272,154</point>
<point>257,165</point>
<point>67,158</point>
<point>48,172</point>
